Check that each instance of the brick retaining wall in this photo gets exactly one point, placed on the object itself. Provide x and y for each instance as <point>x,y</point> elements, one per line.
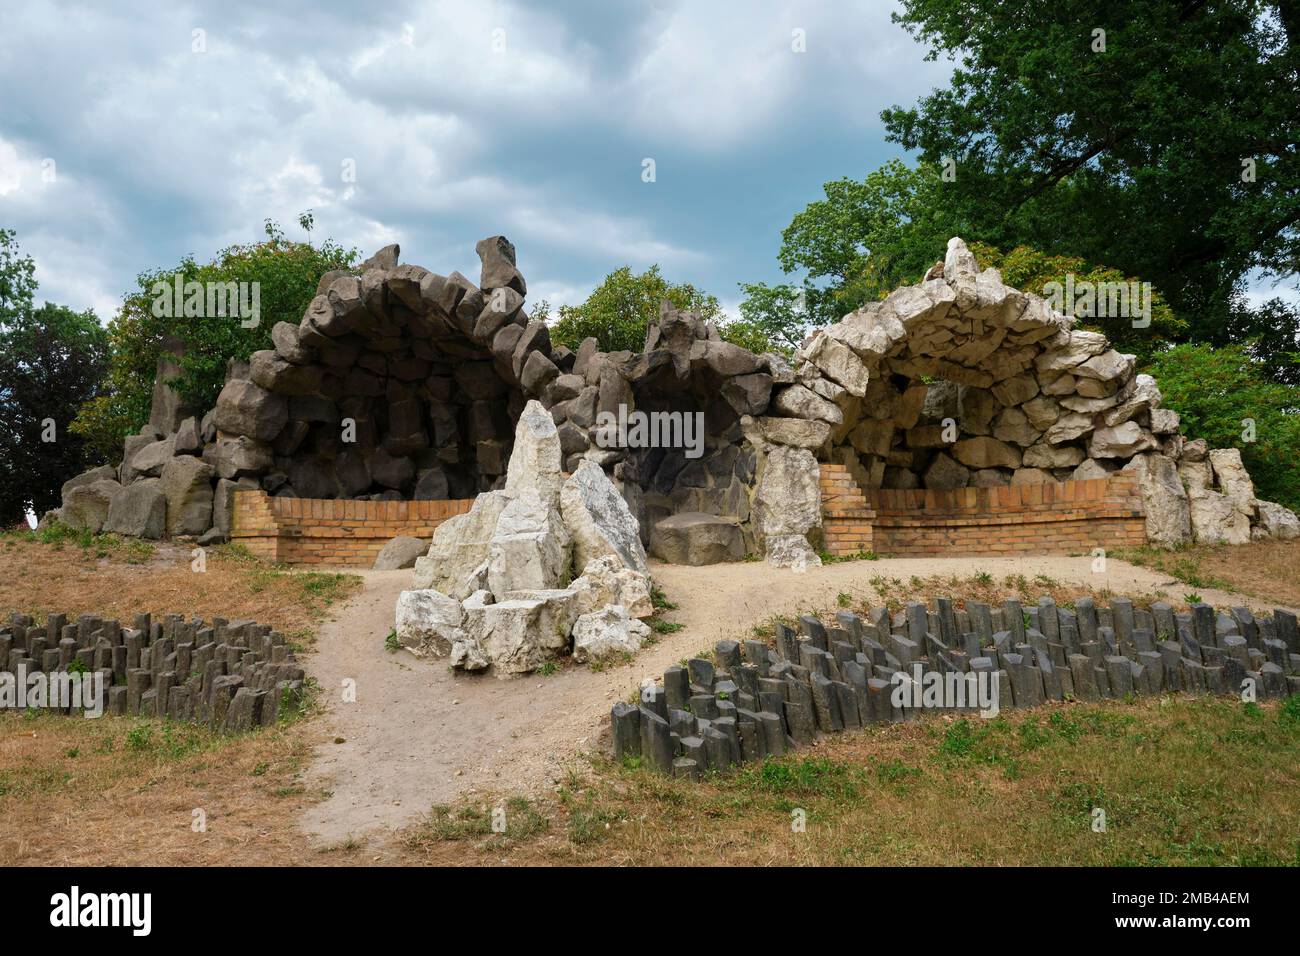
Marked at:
<point>1055,517</point>
<point>325,531</point>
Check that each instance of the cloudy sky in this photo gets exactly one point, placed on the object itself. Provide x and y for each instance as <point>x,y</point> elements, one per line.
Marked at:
<point>461,120</point>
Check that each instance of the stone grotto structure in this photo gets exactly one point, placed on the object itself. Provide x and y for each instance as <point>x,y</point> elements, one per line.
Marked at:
<point>956,415</point>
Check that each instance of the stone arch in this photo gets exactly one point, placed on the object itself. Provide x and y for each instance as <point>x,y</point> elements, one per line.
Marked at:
<point>965,381</point>
<point>397,383</point>
<point>434,371</point>
<point>957,381</point>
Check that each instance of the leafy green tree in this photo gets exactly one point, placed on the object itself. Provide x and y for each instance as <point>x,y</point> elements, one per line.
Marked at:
<point>51,360</point>
<point>618,310</point>
<point>1215,390</point>
<point>777,313</point>
<point>1165,147</point>
<point>867,238</point>
<point>858,244</point>
<point>286,273</point>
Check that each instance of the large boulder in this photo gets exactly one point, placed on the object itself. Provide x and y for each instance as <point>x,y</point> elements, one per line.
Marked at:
<point>102,473</point>
<point>398,553</point>
<point>86,506</point>
<point>140,510</point>
<point>529,549</point>
<point>607,633</point>
<point>944,474</point>
<point>1121,441</point>
<point>518,635</point>
<point>787,497</point>
<point>607,581</point>
<point>599,519</point>
<point>460,547</point>
<point>788,505</point>
<point>187,483</point>
<point>984,451</point>
<point>244,408</point>
<point>1168,511</point>
<point>428,621</point>
<point>149,460</point>
<point>694,538</point>
<point>535,461</point>
<point>238,456</point>
<point>837,362</point>
<point>794,432</point>
<point>796,401</point>
<point>1276,521</point>
<point>1215,519</point>
<point>1231,476</point>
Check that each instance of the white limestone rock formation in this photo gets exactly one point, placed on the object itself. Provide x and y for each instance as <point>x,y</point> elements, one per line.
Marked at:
<point>497,589</point>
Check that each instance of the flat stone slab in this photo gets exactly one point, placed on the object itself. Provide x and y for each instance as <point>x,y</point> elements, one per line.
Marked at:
<point>695,538</point>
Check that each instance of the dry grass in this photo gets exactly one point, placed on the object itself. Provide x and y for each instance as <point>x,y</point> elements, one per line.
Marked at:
<point>1182,782</point>
<point>1267,570</point>
<point>123,791</point>
<point>115,577</point>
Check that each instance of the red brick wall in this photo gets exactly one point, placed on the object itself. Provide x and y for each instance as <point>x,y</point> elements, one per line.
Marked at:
<point>1068,517</point>
<point>846,518</point>
<point>323,531</point>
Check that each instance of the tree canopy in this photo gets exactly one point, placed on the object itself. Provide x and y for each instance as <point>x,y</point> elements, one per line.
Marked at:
<point>51,360</point>
<point>286,273</point>
<point>618,311</point>
<point>1156,136</point>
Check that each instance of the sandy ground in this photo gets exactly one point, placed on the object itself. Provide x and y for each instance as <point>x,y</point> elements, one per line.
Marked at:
<point>419,735</point>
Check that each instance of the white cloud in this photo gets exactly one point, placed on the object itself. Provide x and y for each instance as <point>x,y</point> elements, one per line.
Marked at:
<point>163,152</point>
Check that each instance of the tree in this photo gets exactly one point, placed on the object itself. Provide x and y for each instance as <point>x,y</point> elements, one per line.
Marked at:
<point>284,273</point>
<point>859,243</point>
<point>777,313</point>
<point>867,238</point>
<point>1215,391</point>
<point>51,360</point>
<point>1164,145</point>
<point>618,310</point>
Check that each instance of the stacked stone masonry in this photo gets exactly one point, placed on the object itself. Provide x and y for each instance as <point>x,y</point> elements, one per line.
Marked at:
<point>228,675</point>
<point>350,533</point>
<point>403,384</point>
<point>756,700</point>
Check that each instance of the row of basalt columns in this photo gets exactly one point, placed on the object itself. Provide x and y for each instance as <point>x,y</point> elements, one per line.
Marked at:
<point>229,675</point>
<point>757,700</point>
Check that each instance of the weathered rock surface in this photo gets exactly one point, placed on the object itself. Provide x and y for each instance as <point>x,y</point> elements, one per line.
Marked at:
<point>187,484</point>
<point>694,538</point>
<point>400,552</point>
<point>139,510</point>
<point>1168,511</point>
<point>607,633</point>
<point>86,506</point>
<point>599,520</point>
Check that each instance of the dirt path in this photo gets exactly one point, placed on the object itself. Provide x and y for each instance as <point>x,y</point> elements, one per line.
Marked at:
<point>419,735</point>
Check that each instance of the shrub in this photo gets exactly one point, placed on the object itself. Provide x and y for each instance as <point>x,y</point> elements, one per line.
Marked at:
<point>1216,390</point>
